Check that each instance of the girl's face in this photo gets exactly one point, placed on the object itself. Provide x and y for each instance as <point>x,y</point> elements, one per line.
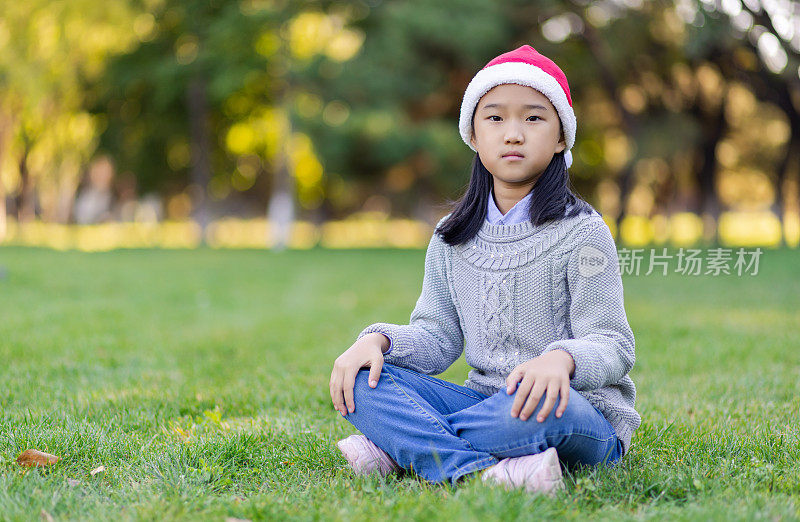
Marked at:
<point>516,118</point>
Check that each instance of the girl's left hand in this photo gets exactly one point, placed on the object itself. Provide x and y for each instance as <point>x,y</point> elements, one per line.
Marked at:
<point>549,373</point>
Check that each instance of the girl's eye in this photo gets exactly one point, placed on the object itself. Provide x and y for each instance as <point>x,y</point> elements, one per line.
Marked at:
<point>495,116</point>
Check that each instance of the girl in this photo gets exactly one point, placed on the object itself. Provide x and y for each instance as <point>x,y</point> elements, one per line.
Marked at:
<point>523,277</point>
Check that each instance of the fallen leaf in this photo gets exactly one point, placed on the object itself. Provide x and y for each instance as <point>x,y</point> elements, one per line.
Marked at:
<point>232,519</point>
<point>31,457</point>
<point>46,516</point>
<point>98,469</point>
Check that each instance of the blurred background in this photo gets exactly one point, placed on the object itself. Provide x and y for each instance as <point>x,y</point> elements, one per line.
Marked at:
<point>294,124</point>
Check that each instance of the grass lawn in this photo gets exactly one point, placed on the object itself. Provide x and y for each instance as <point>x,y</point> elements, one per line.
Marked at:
<point>199,379</point>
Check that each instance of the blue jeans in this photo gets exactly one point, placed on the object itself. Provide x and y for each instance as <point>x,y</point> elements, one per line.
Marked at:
<point>443,431</point>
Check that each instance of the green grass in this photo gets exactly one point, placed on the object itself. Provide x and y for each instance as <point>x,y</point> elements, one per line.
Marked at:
<point>199,379</point>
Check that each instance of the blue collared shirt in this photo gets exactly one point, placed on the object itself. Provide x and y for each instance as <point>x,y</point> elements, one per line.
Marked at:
<point>517,214</point>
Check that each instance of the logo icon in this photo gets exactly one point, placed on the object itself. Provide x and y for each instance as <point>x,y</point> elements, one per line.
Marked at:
<point>591,261</point>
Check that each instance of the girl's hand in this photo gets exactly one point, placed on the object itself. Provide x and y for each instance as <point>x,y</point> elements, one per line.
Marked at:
<point>547,373</point>
<point>367,351</point>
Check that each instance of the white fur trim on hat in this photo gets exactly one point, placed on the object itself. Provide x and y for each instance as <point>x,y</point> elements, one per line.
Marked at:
<point>522,74</point>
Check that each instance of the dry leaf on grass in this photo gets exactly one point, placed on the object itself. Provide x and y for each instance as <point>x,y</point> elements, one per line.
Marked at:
<point>47,517</point>
<point>98,469</point>
<point>31,457</point>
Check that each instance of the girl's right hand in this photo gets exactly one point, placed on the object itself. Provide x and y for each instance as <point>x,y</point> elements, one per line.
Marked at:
<point>367,351</point>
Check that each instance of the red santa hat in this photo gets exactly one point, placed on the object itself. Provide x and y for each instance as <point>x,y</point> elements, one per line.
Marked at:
<point>523,66</point>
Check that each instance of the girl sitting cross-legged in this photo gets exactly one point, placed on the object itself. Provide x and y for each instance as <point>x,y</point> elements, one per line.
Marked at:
<point>523,277</point>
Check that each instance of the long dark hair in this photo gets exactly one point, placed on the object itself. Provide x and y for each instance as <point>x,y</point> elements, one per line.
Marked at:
<point>551,193</point>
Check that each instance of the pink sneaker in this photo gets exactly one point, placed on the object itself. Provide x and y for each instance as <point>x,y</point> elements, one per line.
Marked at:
<point>365,457</point>
<point>538,473</point>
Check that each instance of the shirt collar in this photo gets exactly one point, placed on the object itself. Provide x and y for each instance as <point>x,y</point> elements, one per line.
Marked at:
<point>518,213</point>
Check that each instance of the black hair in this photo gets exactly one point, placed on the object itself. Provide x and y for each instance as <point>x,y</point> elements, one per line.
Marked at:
<point>551,193</point>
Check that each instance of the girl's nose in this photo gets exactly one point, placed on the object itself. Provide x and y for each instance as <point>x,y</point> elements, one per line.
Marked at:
<point>513,133</point>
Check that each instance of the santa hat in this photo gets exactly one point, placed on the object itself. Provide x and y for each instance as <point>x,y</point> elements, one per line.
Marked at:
<point>523,66</point>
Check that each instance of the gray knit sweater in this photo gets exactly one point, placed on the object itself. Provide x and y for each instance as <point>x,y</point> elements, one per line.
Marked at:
<point>516,291</point>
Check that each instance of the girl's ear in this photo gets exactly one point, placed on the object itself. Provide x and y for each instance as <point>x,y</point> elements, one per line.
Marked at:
<point>562,143</point>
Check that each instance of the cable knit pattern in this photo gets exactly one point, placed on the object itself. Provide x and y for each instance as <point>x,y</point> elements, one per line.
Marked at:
<point>515,291</point>
<point>497,323</point>
<point>560,293</point>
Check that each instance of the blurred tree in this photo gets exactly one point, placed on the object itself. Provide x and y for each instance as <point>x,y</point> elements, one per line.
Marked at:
<point>766,59</point>
<point>165,98</point>
<point>48,53</point>
<point>400,94</point>
<point>229,70</point>
<point>657,64</point>
<point>352,105</point>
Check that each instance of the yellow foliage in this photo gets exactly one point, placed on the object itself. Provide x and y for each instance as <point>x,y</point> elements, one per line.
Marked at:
<point>375,229</point>
<point>179,154</point>
<point>241,138</point>
<point>144,26</point>
<point>335,113</point>
<point>267,44</point>
<point>749,229</point>
<point>9,174</point>
<point>309,33</point>
<point>618,149</point>
<point>186,48</point>
<point>636,230</point>
<point>305,166</point>
<point>745,189</point>
<point>256,233</point>
<point>685,228</point>
<point>313,32</point>
<point>344,45</point>
<point>791,230</point>
<point>308,105</point>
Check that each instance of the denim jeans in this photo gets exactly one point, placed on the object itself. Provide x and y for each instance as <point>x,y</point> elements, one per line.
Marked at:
<point>442,431</point>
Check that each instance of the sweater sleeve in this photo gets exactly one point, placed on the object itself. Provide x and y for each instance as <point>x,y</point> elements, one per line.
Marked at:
<point>603,343</point>
<point>433,339</point>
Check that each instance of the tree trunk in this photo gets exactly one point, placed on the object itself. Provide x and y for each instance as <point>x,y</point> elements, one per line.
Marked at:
<point>26,199</point>
<point>774,89</point>
<point>714,128</point>
<point>280,212</point>
<point>3,223</point>
<point>792,147</point>
<point>66,199</point>
<point>197,102</point>
<point>608,80</point>
<point>5,125</point>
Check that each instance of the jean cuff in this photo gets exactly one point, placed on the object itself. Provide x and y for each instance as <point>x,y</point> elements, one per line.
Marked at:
<point>474,466</point>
